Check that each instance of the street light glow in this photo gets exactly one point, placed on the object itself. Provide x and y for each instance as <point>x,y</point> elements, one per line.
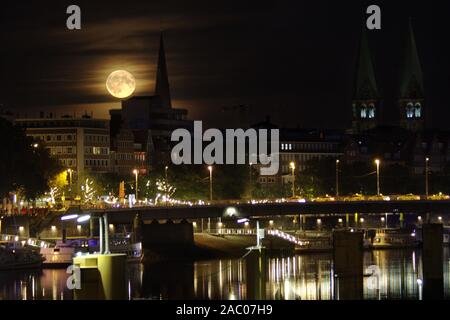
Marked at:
<point>84,218</point>
<point>69,217</point>
<point>242,220</point>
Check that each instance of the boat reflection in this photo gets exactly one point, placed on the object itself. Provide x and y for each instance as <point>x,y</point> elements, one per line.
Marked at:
<point>37,284</point>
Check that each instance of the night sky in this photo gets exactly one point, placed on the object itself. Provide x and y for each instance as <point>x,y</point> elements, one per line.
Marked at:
<point>292,60</point>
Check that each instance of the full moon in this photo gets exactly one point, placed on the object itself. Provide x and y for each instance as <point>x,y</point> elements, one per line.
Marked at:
<point>121,84</point>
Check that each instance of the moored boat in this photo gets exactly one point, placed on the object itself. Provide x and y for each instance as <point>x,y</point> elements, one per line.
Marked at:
<point>12,258</point>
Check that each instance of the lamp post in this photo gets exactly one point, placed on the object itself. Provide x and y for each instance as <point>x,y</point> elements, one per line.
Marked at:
<point>337,178</point>
<point>292,166</point>
<point>427,160</point>
<point>166,184</point>
<point>259,232</point>
<point>70,179</point>
<point>136,173</point>
<point>210,183</point>
<point>70,176</point>
<point>210,168</point>
<point>377,162</point>
<point>250,177</point>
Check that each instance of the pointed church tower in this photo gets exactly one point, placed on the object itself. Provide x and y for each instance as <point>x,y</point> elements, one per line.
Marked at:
<point>162,79</point>
<point>411,96</point>
<point>366,100</point>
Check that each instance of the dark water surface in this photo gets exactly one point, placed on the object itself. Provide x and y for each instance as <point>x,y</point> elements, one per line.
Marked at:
<point>304,277</point>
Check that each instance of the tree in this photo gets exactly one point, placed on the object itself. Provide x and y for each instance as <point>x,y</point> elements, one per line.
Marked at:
<point>25,165</point>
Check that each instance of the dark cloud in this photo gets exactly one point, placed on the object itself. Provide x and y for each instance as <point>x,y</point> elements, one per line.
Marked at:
<point>292,59</point>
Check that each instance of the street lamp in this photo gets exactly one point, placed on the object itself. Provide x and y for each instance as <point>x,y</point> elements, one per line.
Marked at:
<point>259,232</point>
<point>210,168</point>
<point>250,177</point>
<point>337,178</point>
<point>292,166</point>
<point>377,162</point>
<point>70,176</point>
<point>166,184</point>
<point>427,160</point>
<point>136,173</point>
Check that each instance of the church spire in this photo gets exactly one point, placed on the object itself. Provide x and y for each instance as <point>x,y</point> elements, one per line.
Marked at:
<point>411,97</point>
<point>162,80</point>
<point>366,86</point>
<point>411,85</point>
<point>366,100</point>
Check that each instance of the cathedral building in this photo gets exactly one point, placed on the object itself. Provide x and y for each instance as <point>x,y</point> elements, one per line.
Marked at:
<point>409,141</point>
<point>367,103</point>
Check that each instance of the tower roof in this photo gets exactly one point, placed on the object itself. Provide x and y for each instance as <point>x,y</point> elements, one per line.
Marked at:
<point>162,88</point>
<point>365,86</point>
<point>411,85</point>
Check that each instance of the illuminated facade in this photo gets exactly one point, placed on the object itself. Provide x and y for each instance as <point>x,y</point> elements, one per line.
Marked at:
<point>81,144</point>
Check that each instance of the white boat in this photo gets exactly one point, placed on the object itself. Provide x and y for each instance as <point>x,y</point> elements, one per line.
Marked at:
<point>59,256</point>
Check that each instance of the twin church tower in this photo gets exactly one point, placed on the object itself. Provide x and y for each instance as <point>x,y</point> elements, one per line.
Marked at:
<point>367,102</point>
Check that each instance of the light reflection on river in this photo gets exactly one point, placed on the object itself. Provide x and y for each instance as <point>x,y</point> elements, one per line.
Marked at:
<point>303,277</point>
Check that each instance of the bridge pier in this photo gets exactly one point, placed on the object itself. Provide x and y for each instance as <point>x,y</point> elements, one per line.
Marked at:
<point>348,264</point>
<point>432,257</point>
<point>168,237</point>
<point>137,228</point>
<point>102,276</point>
<point>256,274</point>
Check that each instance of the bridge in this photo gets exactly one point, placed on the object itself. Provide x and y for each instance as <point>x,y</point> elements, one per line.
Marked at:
<point>233,210</point>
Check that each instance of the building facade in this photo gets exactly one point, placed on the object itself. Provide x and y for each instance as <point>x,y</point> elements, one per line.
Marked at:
<point>81,144</point>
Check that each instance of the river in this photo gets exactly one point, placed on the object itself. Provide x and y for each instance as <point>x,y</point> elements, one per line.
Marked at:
<point>301,277</point>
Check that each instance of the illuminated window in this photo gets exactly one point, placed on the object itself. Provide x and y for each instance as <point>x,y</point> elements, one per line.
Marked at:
<point>418,111</point>
<point>409,111</point>
<point>371,111</point>
<point>363,111</point>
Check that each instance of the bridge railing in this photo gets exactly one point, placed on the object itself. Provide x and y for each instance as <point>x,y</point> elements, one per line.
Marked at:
<point>232,231</point>
<point>34,242</point>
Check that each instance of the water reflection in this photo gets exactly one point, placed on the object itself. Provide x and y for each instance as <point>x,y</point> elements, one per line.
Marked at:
<point>301,277</point>
<point>46,284</point>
